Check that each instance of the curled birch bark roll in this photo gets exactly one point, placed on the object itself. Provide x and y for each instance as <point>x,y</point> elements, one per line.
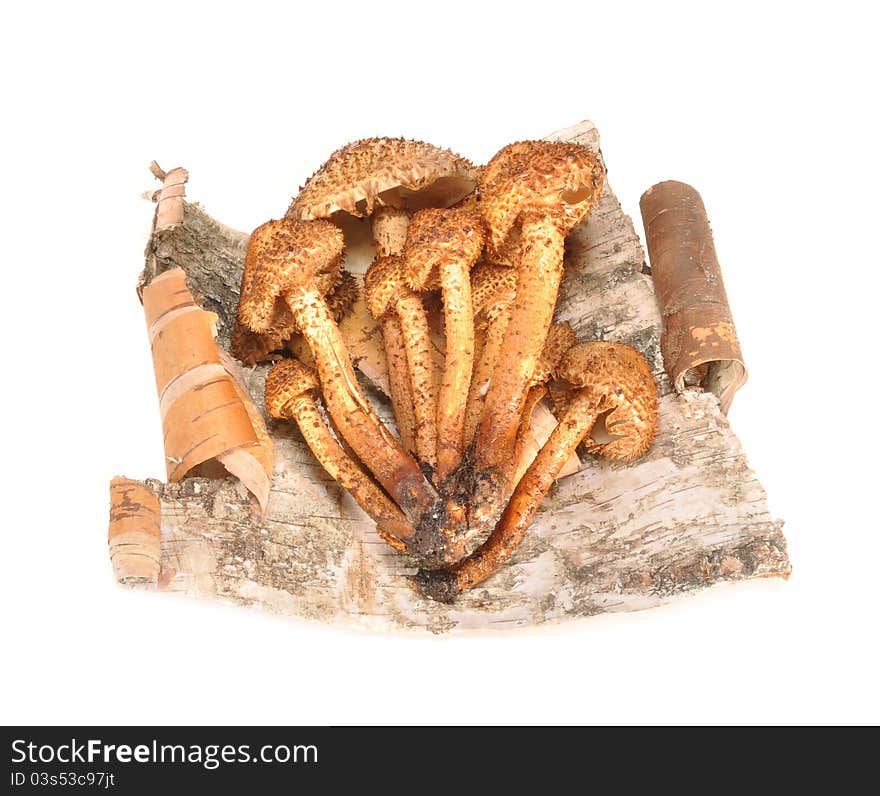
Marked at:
<point>207,416</point>
<point>699,342</point>
<point>134,533</point>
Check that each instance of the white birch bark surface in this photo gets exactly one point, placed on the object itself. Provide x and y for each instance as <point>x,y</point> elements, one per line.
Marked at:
<point>612,537</point>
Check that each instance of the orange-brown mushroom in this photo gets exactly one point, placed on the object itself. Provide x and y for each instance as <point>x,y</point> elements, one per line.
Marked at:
<point>441,248</point>
<point>386,178</point>
<point>291,394</point>
<point>387,294</point>
<point>384,172</point>
<point>560,338</point>
<point>399,385</point>
<point>389,231</point>
<point>343,296</point>
<point>340,301</point>
<point>292,263</point>
<point>540,190</point>
<point>611,379</point>
<point>251,347</point>
<point>493,288</point>
<point>375,176</point>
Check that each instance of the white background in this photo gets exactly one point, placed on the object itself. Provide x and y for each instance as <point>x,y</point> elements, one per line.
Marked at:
<point>770,111</point>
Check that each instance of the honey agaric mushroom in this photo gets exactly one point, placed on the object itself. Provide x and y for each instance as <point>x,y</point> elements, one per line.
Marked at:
<point>294,262</point>
<point>441,248</point>
<point>610,379</point>
<point>291,394</point>
<point>250,347</point>
<point>387,294</point>
<point>540,189</point>
<point>387,178</point>
<point>493,288</point>
<point>384,172</point>
<point>343,296</point>
<point>389,231</point>
<point>340,301</point>
<point>560,338</point>
<point>399,386</point>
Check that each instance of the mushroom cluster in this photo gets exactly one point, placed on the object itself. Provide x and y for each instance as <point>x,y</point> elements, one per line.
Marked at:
<point>478,253</point>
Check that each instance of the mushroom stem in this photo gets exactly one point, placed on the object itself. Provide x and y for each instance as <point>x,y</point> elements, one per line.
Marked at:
<point>441,248</point>
<point>389,230</point>
<point>533,398</point>
<point>387,293</point>
<point>399,382</point>
<point>374,445</point>
<point>490,340</point>
<point>459,329</point>
<point>445,585</point>
<point>538,276</point>
<point>417,341</point>
<point>388,517</point>
<point>610,378</point>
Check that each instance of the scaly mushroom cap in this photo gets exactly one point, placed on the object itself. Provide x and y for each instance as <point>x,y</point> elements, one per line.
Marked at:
<point>549,178</point>
<point>343,296</point>
<point>435,236</point>
<point>560,338</point>
<point>493,287</point>
<point>620,379</point>
<point>250,347</point>
<point>285,383</point>
<point>283,255</point>
<point>384,172</point>
<point>383,284</point>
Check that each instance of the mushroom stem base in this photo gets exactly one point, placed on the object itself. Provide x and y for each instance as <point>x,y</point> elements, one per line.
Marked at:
<point>444,585</point>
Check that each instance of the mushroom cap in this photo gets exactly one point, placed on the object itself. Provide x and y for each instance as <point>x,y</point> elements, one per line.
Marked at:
<point>285,382</point>
<point>384,171</point>
<point>283,255</point>
<point>383,284</point>
<point>252,347</point>
<point>342,298</point>
<point>620,379</point>
<point>437,235</point>
<point>554,179</point>
<point>493,287</point>
<point>560,337</point>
